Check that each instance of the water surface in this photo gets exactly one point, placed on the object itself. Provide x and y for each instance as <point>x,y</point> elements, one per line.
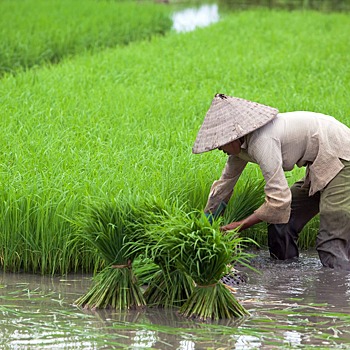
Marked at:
<point>191,18</point>
<point>296,304</point>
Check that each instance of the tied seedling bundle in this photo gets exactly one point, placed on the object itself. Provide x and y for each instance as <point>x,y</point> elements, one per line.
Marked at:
<point>109,229</point>
<point>201,251</point>
<point>169,286</point>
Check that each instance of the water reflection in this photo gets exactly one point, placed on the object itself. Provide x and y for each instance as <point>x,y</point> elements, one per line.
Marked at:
<point>187,345</point>
<point>192,18</point>
<point>144,339</point>
<point>294,304</point>
<point>247,342</point>
<point>292,338</point>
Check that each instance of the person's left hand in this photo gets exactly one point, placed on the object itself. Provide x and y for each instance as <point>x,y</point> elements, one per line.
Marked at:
<point>231,226</point>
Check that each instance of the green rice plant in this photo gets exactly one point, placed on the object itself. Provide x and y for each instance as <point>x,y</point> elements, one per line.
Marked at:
<point>144,269</point>
<point>114,287</point>
<point>121,120</point>
<point>109,229</point>
<point>247,197</point>
<point>39,31</point>
<point>169,286</point>
<point>26,221</point>
<point>202,252</point>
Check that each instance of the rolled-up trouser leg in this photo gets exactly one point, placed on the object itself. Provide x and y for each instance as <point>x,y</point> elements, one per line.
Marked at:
<point>333,240</point>
<point>282,238</point>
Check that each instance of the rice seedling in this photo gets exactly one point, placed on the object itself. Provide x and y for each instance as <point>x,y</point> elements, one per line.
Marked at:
<point>38,31</point>
<point>248,196</point>
<point>121,120</point>
<point>144,269</point>
<point>202,252</point>
<point>108,229</point>
<point>168,286</point>
<point>24,246</point>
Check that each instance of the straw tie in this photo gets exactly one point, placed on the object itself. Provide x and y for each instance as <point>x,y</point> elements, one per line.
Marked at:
<point>128,265</point>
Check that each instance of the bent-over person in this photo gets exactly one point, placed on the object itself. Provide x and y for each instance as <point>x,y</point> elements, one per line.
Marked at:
<point>251,132</point>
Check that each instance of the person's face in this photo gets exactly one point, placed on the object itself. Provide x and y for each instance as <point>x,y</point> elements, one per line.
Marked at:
<point>232,148</point>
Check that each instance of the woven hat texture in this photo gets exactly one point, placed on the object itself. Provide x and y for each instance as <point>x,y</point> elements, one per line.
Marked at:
<point>228,119</point>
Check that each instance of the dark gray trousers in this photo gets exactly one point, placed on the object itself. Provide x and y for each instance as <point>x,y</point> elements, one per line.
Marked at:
<point>333,239</point>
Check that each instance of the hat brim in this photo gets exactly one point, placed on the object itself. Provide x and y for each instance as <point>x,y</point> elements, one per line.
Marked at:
<point>228,119</point>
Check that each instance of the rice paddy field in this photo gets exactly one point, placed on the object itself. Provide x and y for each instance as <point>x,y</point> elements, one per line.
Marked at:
<point>101,102</point>
<point>34,32</point>
<point>296,305</point>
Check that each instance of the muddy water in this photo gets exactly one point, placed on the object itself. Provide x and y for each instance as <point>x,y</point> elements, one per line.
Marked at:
<point>298,304</point>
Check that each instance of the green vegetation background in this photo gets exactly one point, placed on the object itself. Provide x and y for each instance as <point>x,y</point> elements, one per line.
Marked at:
<point>34,32</point>
<point>121,121</point>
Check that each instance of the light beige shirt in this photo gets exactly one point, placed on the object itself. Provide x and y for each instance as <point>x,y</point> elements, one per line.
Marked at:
<point>309,139</point>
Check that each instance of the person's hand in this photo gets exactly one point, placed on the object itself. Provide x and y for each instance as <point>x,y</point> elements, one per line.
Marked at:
<point>209,216</point>
<point>231,226</point>
<point>218,212</point>
<point>242,225</point>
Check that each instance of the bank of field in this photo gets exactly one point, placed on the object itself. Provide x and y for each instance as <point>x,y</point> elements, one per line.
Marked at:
<point>122,122</point>
<point>34,32</point>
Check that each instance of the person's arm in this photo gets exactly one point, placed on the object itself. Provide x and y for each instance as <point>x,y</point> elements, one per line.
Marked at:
<point>278,197</point>
<point>276,208</point>
<point>222,189</point>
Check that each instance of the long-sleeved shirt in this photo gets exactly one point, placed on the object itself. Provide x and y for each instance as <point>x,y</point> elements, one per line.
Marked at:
<point>309,139</point>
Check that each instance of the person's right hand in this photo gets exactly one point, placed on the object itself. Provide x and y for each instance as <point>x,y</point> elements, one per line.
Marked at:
<point>209,216</point>
<point>219,211</point>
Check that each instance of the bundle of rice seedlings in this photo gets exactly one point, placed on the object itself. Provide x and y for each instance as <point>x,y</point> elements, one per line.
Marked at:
<point>247,197</point>
<point>169,286</point>
<point>144,269</point>
<point>201,251</point>
<point>109,229</point>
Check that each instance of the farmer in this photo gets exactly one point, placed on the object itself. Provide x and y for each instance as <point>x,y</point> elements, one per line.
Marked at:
<point>252,132</point>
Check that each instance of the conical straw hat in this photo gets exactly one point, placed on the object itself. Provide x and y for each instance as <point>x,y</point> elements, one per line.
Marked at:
<point>228,119</point>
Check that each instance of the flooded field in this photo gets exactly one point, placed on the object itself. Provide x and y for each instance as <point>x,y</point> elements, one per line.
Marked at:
<point>296,304</point>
